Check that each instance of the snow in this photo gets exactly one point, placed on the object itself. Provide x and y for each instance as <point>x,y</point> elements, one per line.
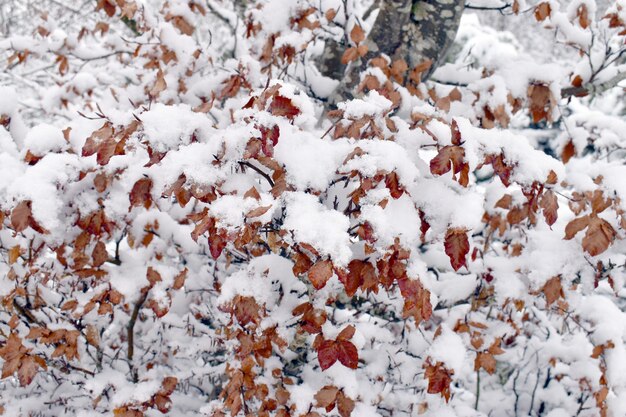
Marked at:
<point>312,223</point>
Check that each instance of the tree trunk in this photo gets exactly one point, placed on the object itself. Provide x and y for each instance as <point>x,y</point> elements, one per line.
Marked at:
<point>413,30</point>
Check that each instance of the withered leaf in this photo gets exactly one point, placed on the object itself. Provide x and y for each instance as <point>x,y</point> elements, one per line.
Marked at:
<point>457,246</point>
<point>320,273</point>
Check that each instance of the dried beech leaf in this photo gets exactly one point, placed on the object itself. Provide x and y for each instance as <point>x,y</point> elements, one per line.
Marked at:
<point>457,247</point>
<point>320,273</point>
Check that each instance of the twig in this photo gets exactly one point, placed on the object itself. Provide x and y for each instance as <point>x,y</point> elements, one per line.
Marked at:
<point>130,333</point>
<point>258,170</point>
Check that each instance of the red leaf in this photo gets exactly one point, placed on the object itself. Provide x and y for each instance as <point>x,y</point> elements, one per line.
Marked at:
<point>391,182</point>
<point>217,243</point>
<point>347,354</point>
<point>327,354</point>
<point>457,247</point>
<point>320,273</point>
<point>456,133</point>
<point>282,106</point>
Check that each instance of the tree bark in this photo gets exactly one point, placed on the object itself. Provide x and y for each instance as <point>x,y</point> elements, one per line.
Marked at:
<point>413,30</point>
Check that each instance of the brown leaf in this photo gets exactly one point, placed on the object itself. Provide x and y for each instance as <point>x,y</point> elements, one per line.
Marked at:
<point>449,157</point>
<point>553,289</point>
<point>541,102</point>
<point>568,151</point>
<point>159,84</point>
<point>259,211</point>
<point>583,16</point>
<point>439,380</point>
<point>357,34</point>
<point>349,55</point>
<point>140,195</point>
<point>330,14</point>
<point>345,404</point>
<point>320,273</point>
<point>14,254</point>
<point>550,205</point>
<point>456,245</point>
<point>505,202</point>
<point>576,226</point>
<point>542,11</point>
<point>486,361</point>
<point>20,216</point>
<point>282,106</point>
<point>92,335</point>
<point>27,371</point>
<point>600,234</point>
<point>153,276</point>
<point>326,396</point>
<point>99,254</point>
<point>392,183</point>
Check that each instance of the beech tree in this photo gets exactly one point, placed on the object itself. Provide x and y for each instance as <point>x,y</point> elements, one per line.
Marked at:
<point>312,208</point>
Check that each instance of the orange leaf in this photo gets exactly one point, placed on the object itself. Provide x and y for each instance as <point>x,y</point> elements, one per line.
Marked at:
<point>542,11</point>
<point>347,333</point>
<point>568,151</point>
<point>350,54</point>
<point>357,34</point>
